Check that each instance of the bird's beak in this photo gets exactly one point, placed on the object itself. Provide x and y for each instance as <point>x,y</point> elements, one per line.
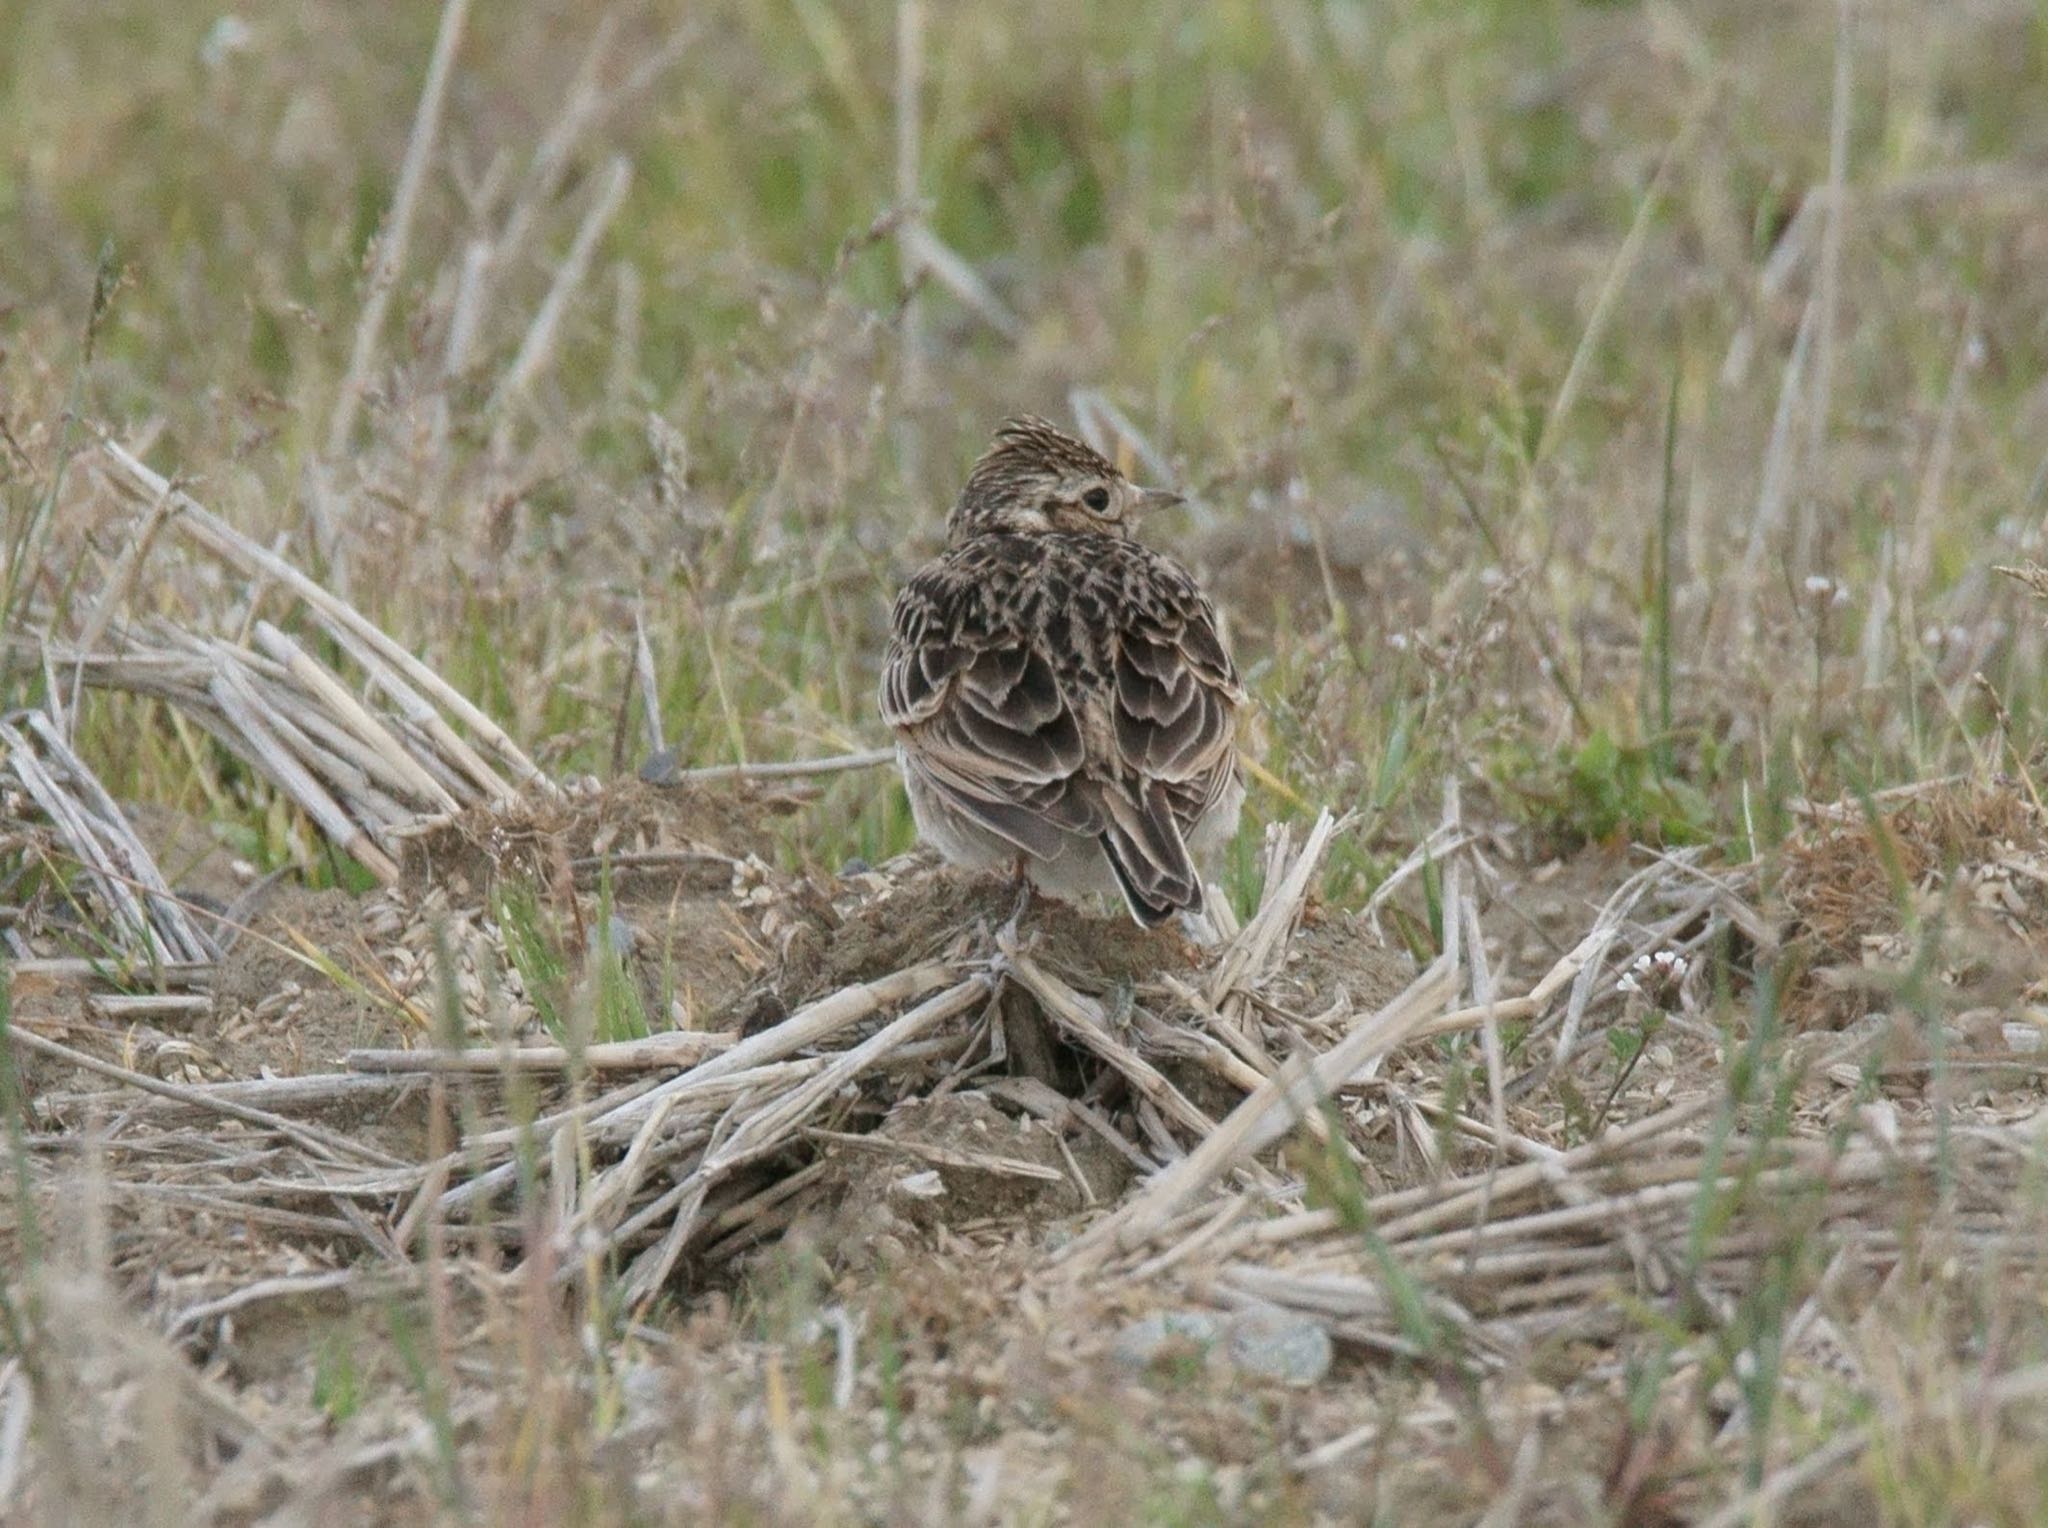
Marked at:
<point>1151,500</point>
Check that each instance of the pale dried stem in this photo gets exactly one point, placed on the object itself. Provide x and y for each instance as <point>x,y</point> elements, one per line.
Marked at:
<point>1082,1020</point>
<point>317,1090</point>
<point>650,689</point>
<point>397,230</point>
<point>1246,959</point>
<point>537,348</point>
<point>404,771</point>
<point>131,865</point>
<point>678,1048</point>
<point>230,691</point>
<point>385,660</point>
<point>323,1143</point>
<point>1291,1094</point>
<point>768,1129</point>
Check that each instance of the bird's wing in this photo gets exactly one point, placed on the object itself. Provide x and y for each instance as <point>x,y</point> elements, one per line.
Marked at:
<point>973,696</point>
<point>1085,696</point>
<point>1174,695</point>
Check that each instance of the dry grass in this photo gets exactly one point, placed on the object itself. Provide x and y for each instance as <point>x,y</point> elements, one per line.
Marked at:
<point>1604,426</point>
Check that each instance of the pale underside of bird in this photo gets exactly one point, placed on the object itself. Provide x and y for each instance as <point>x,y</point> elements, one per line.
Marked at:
<point>1062,701</point>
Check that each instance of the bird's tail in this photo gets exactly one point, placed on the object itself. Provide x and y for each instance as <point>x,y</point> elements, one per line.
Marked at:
<point>1145,849</point>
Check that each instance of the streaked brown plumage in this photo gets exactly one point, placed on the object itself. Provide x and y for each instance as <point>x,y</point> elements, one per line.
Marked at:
<point>1059,692</point>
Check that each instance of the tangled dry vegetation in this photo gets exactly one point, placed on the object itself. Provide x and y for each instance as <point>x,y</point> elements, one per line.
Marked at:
<point>584,1048</point>
<point>1613,1093</point>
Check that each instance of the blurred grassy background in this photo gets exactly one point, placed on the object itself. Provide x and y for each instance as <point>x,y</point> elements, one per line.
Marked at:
<point>1550,423</point>
<point>1619,409</point>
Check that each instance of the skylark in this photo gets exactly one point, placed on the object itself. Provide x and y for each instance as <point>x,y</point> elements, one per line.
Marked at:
<point>1062,702</point>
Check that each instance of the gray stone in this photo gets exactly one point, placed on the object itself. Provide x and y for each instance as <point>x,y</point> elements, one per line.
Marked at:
<point>1258,1344</point>
<point>1277,1345</point>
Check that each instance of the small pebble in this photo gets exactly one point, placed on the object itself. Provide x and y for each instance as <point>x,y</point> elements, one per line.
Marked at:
<point>1139,1344</point>
<point>1277,1345</point>
<point>1263,1344</point>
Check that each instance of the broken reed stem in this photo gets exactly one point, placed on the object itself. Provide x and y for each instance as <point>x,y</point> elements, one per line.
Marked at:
<point>387,662</point>
<point>405,770</point>
<point>1248,954</point>
<point>650,688</point>
<point>747,1064</point>
<point>1549,1272</point>
<point>79,969</point>
<point>285,1287</point>
<point>769,1128</point>
<point>679,1048</point>
<point>322,1143</point>
<point>765,1129</point>
<point>1080,1018</point>
<point>1299,1087</point>
<point>231,693</point>
<point>98,839</point>
<point>938,1156</point>
<point>318,1090</point>
<point>187,942</point>
<point>808,1026</point>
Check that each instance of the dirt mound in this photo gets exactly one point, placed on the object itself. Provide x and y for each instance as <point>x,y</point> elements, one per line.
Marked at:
<point>676,876</point>
<point>915,909</point>
<point>300,986</point>
<point>1335,957</point>
<point>686,833</point>
<point>1861,896</point>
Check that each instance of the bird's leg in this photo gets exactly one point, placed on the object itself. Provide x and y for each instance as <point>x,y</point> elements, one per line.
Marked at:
<point>1021,873</point>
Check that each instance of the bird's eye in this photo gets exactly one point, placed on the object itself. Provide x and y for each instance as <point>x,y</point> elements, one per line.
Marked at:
<point>1097,500</point>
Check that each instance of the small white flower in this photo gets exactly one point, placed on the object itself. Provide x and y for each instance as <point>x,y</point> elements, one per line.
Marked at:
<point>1653,974</point>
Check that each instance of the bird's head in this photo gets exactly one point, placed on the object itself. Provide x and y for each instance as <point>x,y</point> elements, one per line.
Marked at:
<point>1035,478</point>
